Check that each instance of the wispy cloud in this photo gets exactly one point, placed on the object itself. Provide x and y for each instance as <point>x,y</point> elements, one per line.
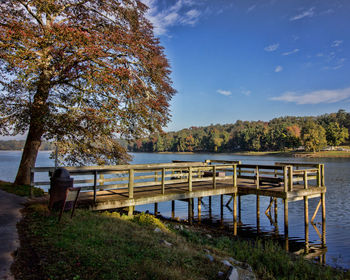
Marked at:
<point>182,12</point>
<point>251,8</point>
<point>278,68</point>
<point>224,92</point>
<point>315,97</point>
<point>306,13</point>
<point>336,43</point>
<point>246,92</point>
<point>291,52</point>
<point>272,48</point>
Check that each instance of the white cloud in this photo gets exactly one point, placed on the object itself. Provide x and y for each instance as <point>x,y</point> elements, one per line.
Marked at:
<point>278,68</point>
<point>291,52</point>
<point>306,13</point>
<point>180,13</point>
<point>246,92</point>
<point>251,8</point>
<point>315,97</point>
<point>272,47</point>
<point>224,92</point>
<point>336,43</point>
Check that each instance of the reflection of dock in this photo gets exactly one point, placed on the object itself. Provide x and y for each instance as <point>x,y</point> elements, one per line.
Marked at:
<point>111,187</point>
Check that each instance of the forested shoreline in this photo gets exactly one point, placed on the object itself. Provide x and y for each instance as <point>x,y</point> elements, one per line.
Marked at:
<point>16,145</point>
<point>279,134</point>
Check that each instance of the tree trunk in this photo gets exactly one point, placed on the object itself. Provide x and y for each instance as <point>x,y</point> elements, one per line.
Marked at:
<point>39,113</point>
<point>29,155</point>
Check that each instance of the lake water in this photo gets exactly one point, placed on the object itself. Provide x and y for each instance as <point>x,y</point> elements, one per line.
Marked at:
<point>337,200</point>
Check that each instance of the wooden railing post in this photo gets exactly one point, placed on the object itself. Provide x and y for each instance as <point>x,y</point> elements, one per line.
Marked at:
<point>319,176</point>
<point>322,174</point>
<point>285,178</point>
<point>305,180</point>
<point>131,183</point>
<point>190,179</point>
<point>163,180</point>
<point>214,177</point>
<point>235,175</point>
<point>290,178</point>
<point>257,177</point>
<point>95,185</point>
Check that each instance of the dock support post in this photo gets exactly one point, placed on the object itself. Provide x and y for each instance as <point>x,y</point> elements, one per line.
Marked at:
<point>234,198</point>
<point>306,217</point>
<point>131,211</point>
<point>173,209</point>
<point>221,210</point>
<point>285,201</point>
<point>163,180</point>
<point>239,209</point>
<point>199,209</point>
<point>275,210</point>
<point>131,183</point>
<point>210,213</point>
<point>258,214</point>
<point>190,179</point>
<point>323,199</point>
<point>190,211</point>
<point>155,209</point>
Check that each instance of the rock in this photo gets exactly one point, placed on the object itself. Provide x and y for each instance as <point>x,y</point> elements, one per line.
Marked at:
<point>209,257</point>
<point>232,274</point>
<point>226,262</point>
<point>220,274</point>
<point>157,229</point>
<point>166,243</point>
<point>208,236</point>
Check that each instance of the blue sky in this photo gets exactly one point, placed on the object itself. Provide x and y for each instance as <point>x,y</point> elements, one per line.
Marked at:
<point>254,60</point>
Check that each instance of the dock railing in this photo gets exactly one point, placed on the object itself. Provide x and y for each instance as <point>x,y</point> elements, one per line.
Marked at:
<point>131,177</point>
<point>161,175</point>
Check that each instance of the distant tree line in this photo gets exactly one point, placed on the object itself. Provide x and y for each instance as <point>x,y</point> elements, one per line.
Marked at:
<point>279,134</point>
<point>19,144</point>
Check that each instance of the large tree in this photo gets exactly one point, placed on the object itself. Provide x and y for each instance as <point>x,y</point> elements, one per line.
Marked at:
<point>82,73</point>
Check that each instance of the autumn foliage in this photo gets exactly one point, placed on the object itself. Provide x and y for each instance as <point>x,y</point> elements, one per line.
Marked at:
<point>82,73</point>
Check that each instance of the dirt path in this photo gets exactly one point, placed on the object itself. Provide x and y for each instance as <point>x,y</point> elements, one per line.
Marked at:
<point>10,206</point>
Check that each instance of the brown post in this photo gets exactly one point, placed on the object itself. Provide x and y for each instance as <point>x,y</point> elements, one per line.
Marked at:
<point>323,199</point>
<point>190,211</point>
<point>285,201</point>
<point>305,180</point>
<point>322,175</point>
<point>131,183</point>
<point>214,177</point>
<point>155,209</point>
<point>319,179</point>
<point>306,220</point>
<point>258,214</point>
<point>95,185</point>
<point>290,178</point>
<point>276,210</point>
<point>210,213</point>
<point>239,208</point>
<point>173,209</point>
<point>190,179</point>
<point>163,180</point>
<point>257,177</point>
<point>285,178</point>
<point>221,209</point>
<point>234,198</point>
<point>199,209</point>
<point>131,211</point>
<point>235,175</point>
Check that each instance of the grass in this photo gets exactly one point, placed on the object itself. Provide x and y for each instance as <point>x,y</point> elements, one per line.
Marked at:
<point>112,246</point>
<point>21,190</point>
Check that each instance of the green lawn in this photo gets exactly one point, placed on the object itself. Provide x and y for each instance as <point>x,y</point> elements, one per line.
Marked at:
<point>106,246</point>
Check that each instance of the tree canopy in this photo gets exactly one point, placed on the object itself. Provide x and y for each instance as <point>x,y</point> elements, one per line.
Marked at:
<point>83,73</point>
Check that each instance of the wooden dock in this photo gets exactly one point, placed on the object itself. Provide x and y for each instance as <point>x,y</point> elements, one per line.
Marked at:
<point>113,187</point>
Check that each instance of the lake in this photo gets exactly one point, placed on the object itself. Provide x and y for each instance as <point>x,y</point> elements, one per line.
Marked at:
<point>337,199</point>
